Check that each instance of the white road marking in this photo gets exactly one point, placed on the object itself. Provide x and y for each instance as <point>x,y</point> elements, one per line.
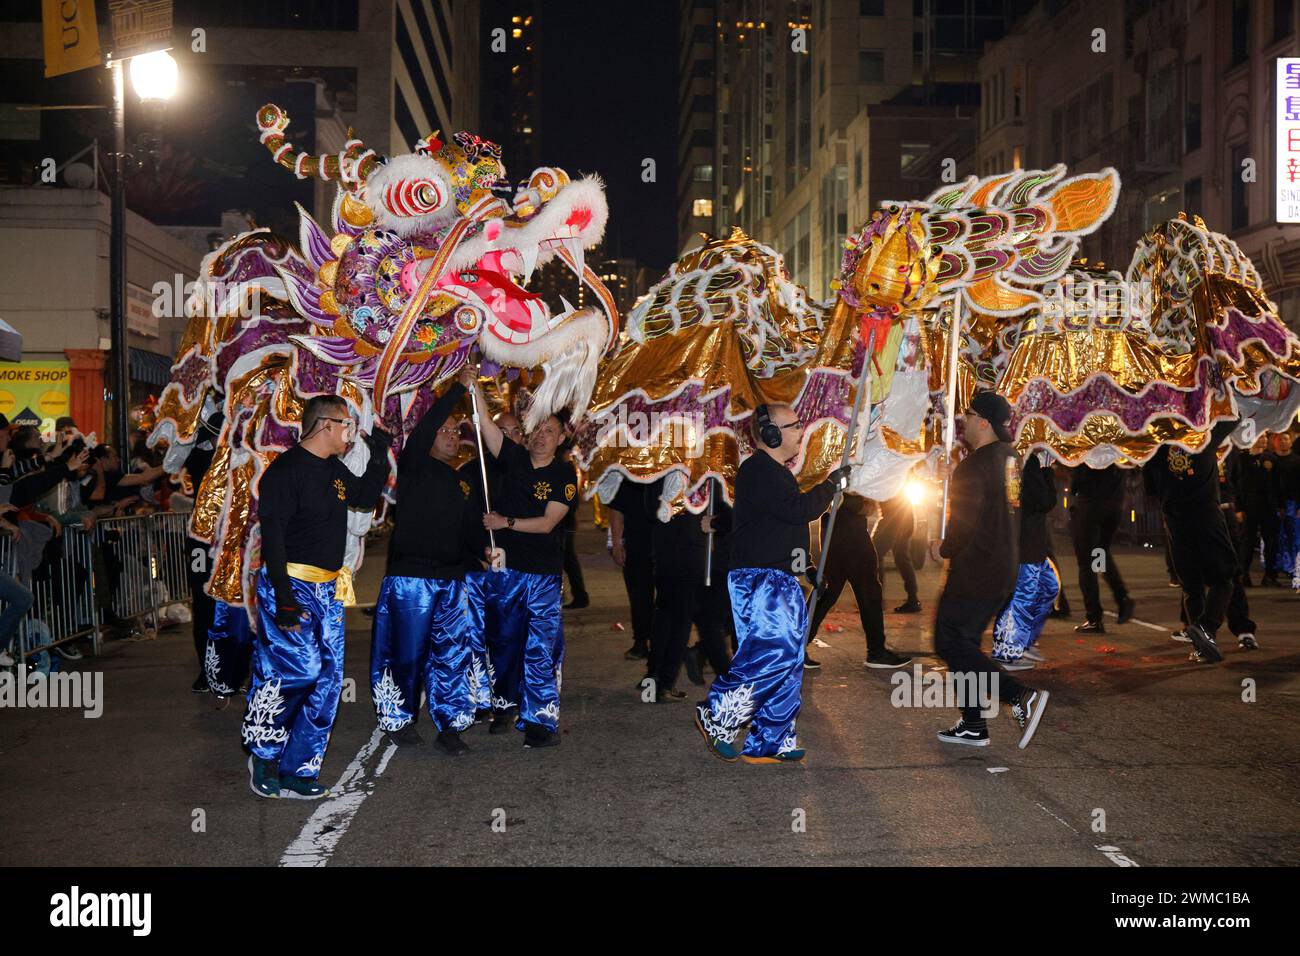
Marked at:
<point>322,832</point>
<point>1057,819</point>
<point>998,769</point>
<point>1115,856</point>
<point>1133,620</point>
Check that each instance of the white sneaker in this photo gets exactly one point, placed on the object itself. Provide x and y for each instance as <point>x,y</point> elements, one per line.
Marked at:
<point>1181,636</point>
<point>1019,665</point>
<point>1247,642</point>
<point>1034,654</point>
<point>6,659</point>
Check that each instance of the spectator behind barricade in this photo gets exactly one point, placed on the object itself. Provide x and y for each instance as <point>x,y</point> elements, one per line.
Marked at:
<point>109,492</point>
<point>17,599</point>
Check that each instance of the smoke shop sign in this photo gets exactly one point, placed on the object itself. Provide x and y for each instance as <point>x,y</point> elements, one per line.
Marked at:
<point>34,393</point>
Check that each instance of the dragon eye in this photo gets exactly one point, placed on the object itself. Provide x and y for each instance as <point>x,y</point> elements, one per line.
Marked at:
<point>413,197</point>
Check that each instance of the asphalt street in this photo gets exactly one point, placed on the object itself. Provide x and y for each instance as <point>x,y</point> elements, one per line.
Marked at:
<point>1142,757</point>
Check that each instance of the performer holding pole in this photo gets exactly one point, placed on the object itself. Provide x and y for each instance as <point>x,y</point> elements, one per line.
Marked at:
<point>769,541</point>
<point>537,490</point>
<point>305,495</point>
<point>422,627</point>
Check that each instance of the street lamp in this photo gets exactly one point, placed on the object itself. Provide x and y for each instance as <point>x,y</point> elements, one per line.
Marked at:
<point>153,77</point>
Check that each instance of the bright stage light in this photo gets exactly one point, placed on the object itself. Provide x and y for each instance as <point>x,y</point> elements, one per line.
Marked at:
<point>154,75</point>
<point>916,491</point>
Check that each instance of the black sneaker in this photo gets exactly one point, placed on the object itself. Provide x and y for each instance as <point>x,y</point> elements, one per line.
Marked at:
<point>302,788</point>
<point>482,717</point>
<point>811,665</point>
<point>407,736</point>
<point>1247,642</point>
<point>963,733</point>
<point>1091,627</point>
<point>200,685</point>
<point>885,659</point>
<point>1028,710</point>
<point>669,696</point>
<point>578,603</point>
<point>1060,613</point>
<point>537,736</point>
<point>910,606</point>
<point>1126,608</point>
<point>264,777</point>
<point>636,652</point>
<point>1204,642</point>
<point>503,721</point>
<point>694,672</point>
<point>1270,581</point>
<point>449,742</point>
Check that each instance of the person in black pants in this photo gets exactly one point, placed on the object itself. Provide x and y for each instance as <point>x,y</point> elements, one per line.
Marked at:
<point>572,566</point>
<point>680,549</point>
<point>1204,557</point>
<point>852,560</point>
<point>894,532</point>
<point>1257,501</point>
<point>1098,502</point>
<point>983,547</point>
<point>713,618</point>
<point>1286,488</point>
<point>630,526</point>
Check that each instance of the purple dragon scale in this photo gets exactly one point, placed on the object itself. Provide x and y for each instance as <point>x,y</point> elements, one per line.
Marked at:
<point>1237,329</point>
<point>1100,394</point>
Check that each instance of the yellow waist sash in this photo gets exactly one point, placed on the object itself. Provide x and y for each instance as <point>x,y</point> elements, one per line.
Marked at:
<point>343,590</point>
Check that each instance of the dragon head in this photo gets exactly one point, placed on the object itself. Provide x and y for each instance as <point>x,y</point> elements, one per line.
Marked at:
<point>426,260</point>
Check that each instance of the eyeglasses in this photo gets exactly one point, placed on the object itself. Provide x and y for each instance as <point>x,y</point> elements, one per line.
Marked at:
<point>349,424</point>
<point>448,431</point>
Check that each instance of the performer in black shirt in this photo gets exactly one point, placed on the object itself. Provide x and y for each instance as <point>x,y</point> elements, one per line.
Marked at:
<point>1204,558</point>
<point>422,621</point>
<point>303,501</point>
<point>1094,518</point>
<point>1258,509</point>
<point>983,545</point>
<point>769,546</point>
<point>1037,584</point>
<point>527,648</point>
<point>894,533</point>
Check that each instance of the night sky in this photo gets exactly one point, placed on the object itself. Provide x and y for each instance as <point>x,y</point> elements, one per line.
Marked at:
<point>609,100</point>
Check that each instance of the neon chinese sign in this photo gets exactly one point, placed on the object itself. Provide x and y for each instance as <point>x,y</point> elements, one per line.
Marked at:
<point>1286,170</point>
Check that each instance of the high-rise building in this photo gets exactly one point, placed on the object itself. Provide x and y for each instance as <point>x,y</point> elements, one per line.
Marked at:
<point>510,100</point>
<point>697,117</point>
<point>1177,96</point>
<point>828,107</point>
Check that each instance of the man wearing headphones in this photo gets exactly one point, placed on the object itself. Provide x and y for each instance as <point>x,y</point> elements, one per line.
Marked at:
<point>769,547</point>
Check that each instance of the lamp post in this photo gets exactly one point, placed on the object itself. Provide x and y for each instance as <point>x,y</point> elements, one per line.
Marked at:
<point>153,77</point>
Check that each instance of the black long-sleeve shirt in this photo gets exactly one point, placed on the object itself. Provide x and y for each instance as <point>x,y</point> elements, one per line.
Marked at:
<point>303,503</point>
<point>1098,485</point>
<point>1037,499</point>
<point>982,540</point>
<point>1255,486</point>
<point>1286,477</point>
<point>771,516</point>
<point>1183,480</point>
<point>436,507</point>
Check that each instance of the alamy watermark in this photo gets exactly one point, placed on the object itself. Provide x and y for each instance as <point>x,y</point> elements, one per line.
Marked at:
<point>213,297</point>
<point>620,428</point>
<point>75,690</point>
<point>949,690</point>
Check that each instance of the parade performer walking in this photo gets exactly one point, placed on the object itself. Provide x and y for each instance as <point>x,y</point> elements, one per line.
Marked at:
<point>304,499</point>
<point>1098,503</point>
<point>769,546</point>
<point>1037,582</point>
<point>527,648</point>
<point>422,619</point>
<point>982,543</point>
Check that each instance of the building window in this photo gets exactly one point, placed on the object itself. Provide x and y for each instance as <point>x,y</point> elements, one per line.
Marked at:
<point>1283,12</point>
<point>1240,31</point>
<point>1162,133</point>
<point>908,153</point>
<point>821,137</point>
<point>1240,204</point>
<point>857,170</point>
<point>821,78</point>
<point>871,8</point>
<point>702,207</point>
<point>1192,197</point>
<point>1192,106</point>
<point>871,66</point>
<point>703,174</point>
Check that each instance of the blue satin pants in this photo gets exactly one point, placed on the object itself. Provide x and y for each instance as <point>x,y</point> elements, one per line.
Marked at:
<point>762,686</point>
<point>480,592</point>
<point>525,641</point>
<point>297,679</point>
<point>1022,620</point>
<point>421,643</point>
<point>230,649</point>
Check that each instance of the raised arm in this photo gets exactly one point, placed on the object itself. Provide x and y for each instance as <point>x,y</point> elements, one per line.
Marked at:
<point>363,491</point>
<point>492,435</point>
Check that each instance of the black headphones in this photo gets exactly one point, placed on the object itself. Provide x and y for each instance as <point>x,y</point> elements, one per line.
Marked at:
<point>768,433</point>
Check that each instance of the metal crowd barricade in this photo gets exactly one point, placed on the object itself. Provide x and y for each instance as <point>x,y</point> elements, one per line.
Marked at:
<point>135,565</point>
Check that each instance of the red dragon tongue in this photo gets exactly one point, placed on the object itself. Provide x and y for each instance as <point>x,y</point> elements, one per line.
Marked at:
<point>579,218</point>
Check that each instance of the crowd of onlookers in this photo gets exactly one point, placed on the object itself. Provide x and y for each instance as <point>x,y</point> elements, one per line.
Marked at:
<point>70,481</point>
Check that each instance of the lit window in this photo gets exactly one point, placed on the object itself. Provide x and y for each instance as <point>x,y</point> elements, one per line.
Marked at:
<point>702,207</point>
<point>516,33</point>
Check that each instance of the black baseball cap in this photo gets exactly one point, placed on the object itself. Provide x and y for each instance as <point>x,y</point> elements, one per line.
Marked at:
<point>995,410</point>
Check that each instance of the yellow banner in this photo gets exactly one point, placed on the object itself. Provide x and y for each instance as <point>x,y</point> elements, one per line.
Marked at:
<point>71,36</point>
<point>35,393</point>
